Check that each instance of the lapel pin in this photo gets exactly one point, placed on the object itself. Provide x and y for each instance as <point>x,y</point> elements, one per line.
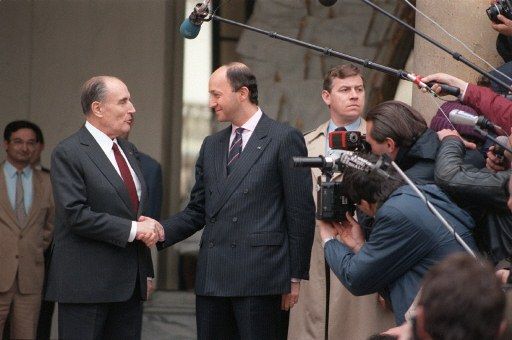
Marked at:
<point>259,148</point>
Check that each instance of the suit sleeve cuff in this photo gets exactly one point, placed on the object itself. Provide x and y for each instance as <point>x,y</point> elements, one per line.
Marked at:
<point>133,232</point>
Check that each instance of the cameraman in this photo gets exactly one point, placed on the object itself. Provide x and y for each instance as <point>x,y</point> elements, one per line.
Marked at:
<point>405,241</point>
<point>396,129</point>
<point>481,191</point>
<point>326,309</point>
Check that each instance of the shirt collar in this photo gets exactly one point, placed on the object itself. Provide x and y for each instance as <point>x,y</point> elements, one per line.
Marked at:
<point>350,127</point>
<point>103,140</point>
<point>10,170</point>
<point>249,125</point>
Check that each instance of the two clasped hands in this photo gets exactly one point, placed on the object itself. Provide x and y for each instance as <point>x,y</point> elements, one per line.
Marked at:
<point>149,231</point>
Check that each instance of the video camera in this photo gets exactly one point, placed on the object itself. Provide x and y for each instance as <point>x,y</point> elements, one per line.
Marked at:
<point>332,201</point>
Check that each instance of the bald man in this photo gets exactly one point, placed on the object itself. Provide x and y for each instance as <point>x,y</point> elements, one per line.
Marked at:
<point>100,268</point>
<point>257,213</point>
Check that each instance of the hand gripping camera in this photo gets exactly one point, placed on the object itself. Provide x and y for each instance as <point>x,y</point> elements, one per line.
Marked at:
<point>332,201</point>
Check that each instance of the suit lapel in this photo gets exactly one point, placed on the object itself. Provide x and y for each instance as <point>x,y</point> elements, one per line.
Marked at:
<point>98,157</point>
<point>221,154</point>
<point>9,215</point>
<point>252,151</point>
<point>135,164</point>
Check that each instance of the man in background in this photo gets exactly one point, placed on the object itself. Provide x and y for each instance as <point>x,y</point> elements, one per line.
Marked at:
<point>326,309</point>
<point>26,225</point>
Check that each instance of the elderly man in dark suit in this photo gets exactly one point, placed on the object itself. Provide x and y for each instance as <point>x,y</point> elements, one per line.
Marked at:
<point>257,213</point>
<point>100,270</point>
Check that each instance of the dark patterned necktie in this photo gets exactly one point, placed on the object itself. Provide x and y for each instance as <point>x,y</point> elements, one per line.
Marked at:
<point>127,177</point>
<point>235,150</point>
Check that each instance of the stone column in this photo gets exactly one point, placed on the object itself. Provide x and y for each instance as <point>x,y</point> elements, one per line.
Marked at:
<point>467,21</point>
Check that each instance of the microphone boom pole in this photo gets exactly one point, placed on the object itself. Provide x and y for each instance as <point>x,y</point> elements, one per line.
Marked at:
<point>330,52</point>
<point>457,56</point>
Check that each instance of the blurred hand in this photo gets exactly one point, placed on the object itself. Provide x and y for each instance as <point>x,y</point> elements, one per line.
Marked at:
<point>504,26</point>
<point>493,162</point>
<point>151,287</point>
<point>444,79</point>
<point>400,332</point>
<point>289,300</point>
<point>447,132</point>
<point>326,229</point>
<point>503,275</point>
<point>351,233</point>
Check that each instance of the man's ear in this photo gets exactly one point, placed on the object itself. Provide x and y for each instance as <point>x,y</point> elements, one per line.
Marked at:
<point>96,109</point>
<point>326,96</point>
<point>391,145</point>
<point>420,330</point>
<point>243,93</point>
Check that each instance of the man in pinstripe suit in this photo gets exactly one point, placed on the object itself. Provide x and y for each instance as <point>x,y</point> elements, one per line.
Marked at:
<point>257,213</point>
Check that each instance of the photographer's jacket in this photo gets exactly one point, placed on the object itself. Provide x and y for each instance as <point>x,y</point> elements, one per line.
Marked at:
<point>479,190</point>
<point>406,240</point>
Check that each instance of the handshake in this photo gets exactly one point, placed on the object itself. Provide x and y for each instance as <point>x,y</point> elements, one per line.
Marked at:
<point>149,231</point>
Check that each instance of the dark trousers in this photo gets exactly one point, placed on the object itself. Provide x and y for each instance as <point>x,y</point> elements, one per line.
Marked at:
<point>113,320</point>
<point>44,327</point>
<point>247,318</point>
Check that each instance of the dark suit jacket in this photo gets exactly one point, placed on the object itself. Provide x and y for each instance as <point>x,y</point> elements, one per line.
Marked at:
<point>152,172</point>
<point>92,261</point>
<point>258,221</point>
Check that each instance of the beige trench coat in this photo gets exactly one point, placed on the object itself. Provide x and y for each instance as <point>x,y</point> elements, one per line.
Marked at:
<point>350,317</point>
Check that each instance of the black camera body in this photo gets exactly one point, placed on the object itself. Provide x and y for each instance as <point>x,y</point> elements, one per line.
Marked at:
<point>332,202</point>
<point>503,7</point>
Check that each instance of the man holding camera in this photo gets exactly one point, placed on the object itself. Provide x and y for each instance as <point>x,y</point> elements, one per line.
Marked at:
<point>326,309</point>
<point>405,241</point>
<point>478,190</point>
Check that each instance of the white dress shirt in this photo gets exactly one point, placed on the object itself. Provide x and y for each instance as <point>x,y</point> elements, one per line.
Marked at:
<point>106,144</point>
<point>249,127</point>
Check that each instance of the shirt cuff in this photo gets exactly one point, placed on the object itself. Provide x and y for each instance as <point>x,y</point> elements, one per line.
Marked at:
<point>327,239</point>
<point>295,280</point>
<point>133,232</point>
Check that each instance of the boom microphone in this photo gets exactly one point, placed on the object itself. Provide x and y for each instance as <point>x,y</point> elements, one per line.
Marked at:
<point>460,117</point>
<point>191,26</point>
<point>327,3</point>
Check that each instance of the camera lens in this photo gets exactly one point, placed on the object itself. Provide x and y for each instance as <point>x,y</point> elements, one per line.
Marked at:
<point>493,11</point>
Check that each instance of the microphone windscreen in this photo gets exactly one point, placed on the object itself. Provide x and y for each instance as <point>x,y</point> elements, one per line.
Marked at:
<point>327,3</point>
<point>188,30</point>
<point>463,118</point>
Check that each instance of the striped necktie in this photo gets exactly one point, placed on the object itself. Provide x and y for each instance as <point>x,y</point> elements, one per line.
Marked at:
<point>235,150</point>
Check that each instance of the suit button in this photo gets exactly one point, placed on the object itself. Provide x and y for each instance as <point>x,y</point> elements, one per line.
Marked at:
<point>17,256</point>
<point>21,236</point>
<point>235,219</point>
<point>211,245</point>
<point>233,245</point>
<point>212,220</point>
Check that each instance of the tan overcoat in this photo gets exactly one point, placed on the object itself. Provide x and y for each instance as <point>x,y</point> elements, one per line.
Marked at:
<point>350,317</point>
<point>22,248</point>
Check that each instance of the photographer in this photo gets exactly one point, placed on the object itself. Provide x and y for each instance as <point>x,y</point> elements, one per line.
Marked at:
<point>396,129</point>
<point>478,190</point>
<point>406,239</point>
